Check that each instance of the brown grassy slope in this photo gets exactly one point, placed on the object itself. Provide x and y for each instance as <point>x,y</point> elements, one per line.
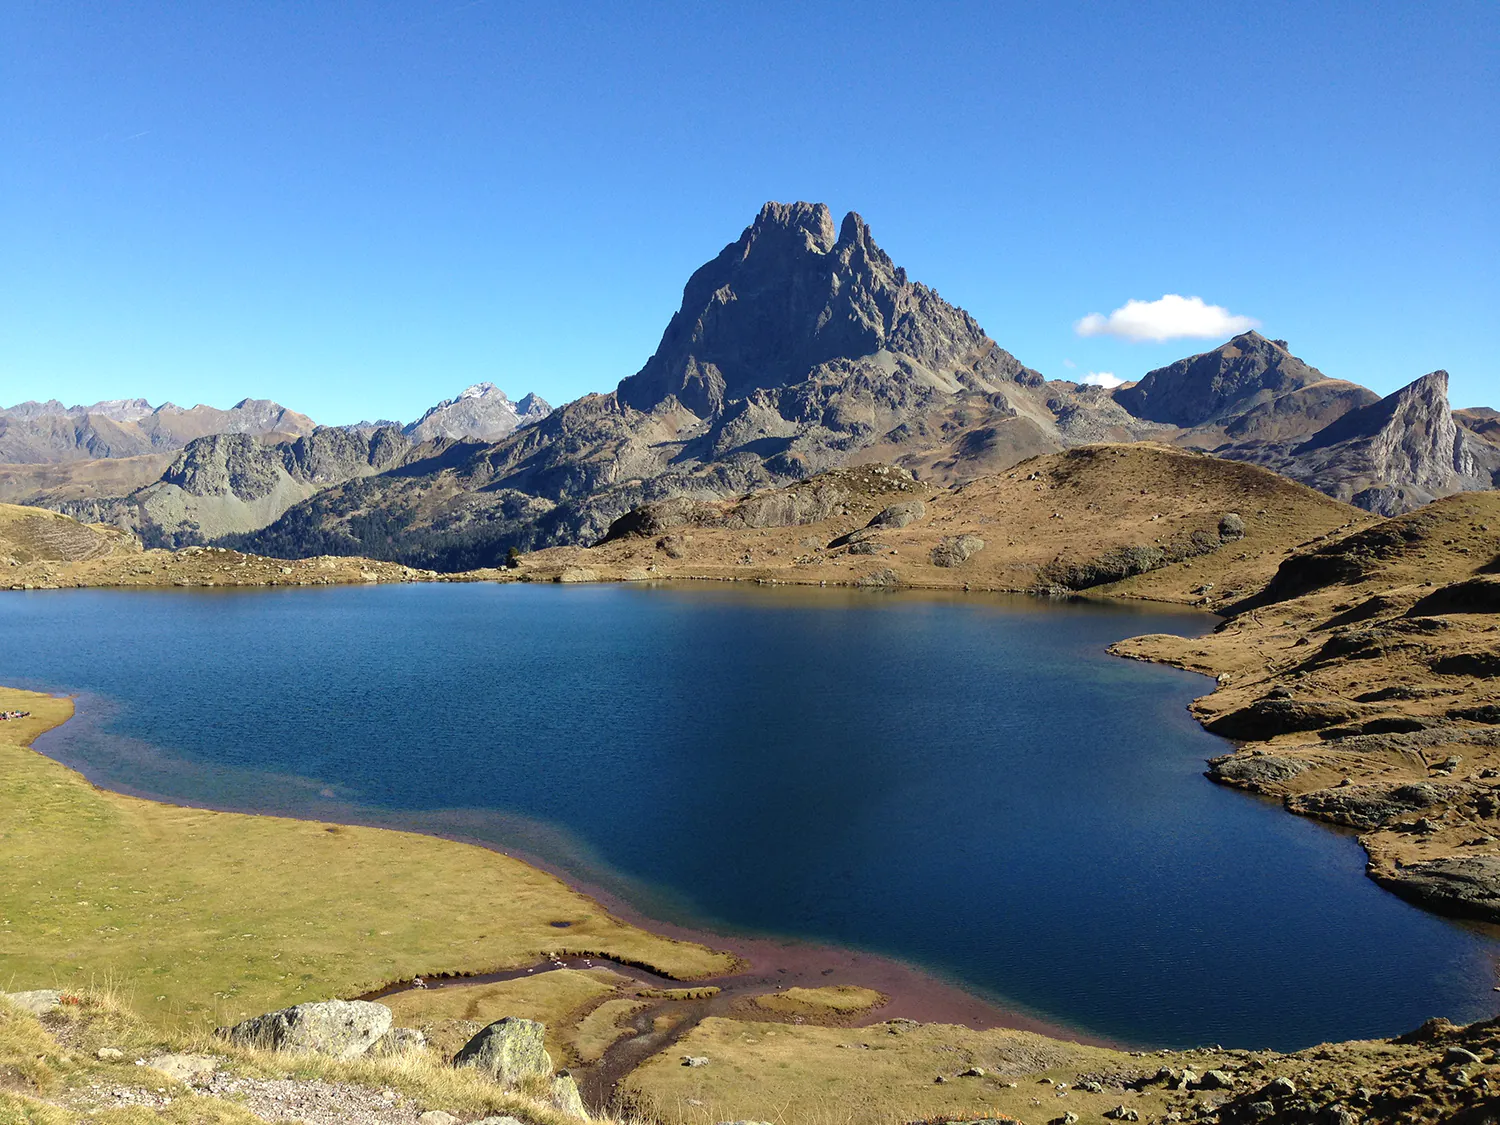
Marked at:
<point>1365,683</point>
<point>889,1074</point>
<point>1049,519</point>
<point>81,480</point>
<point>35,535</point>
<point>205,917</point>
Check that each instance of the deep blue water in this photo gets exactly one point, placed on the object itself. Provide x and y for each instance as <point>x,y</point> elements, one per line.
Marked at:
<point>971,784</point>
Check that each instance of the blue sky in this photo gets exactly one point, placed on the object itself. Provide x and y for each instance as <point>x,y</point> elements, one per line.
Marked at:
<point>357,209</point>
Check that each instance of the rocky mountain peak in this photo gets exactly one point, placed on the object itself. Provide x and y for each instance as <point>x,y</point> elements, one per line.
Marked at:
<point>482,390</point>
<point>1212,386</point>
<point>786,297</point>
<point>481,412</point>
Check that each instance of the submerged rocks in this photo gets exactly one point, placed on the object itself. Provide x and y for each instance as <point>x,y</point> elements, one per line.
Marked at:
<point>341,1029</point>
<point>508,1050</point>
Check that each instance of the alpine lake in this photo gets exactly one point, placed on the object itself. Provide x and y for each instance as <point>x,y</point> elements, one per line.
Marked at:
<point>967,783</point>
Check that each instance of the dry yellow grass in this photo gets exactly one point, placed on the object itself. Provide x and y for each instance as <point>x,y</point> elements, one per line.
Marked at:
<point>205,917</point>
<point>64,1089</point>
<point>872,1076</point>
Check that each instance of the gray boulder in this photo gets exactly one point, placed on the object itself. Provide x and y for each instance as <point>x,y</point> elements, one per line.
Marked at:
<point>38,1001</point>
<point>341,1029</point>
<point>398,1041</point>
<point>564,1095</point>
<point>900,515</point>
<point>956,550</point>
<point>509,1050</point>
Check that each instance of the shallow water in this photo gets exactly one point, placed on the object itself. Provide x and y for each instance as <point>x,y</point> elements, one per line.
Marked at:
<point>968,783</point>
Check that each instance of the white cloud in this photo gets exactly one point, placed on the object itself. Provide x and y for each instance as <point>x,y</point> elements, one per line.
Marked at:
<point>1069,364</point>
<point>1102,379</point>
<point>1171,318</point>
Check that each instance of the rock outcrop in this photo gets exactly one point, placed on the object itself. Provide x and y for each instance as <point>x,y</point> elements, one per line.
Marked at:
<point>226,484</point>
<point>1391,455</point>
<point>341,1029</point>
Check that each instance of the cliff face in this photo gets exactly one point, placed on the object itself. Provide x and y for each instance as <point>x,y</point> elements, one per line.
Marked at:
<point>1391,455</point>
<point>789,297</point>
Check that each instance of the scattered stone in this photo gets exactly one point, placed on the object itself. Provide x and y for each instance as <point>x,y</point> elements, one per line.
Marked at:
<point>1065,1119</point>
<point>109,1054</point>
<point>1122,1113</point>
<point>972,1072</point>
<point>694,1060</point>
<point>1280,1088</point>
<point>1461,1056</point>
<point>341,1029</point>
<point>1091,1087</point>
<point>577,574</point>
<point>1215,1080</point>
<point>437,1117</point>
<point>508,1050</point>
<point>183,1068</point>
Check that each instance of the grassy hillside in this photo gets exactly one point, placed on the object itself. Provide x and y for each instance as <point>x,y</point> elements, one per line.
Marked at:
<point>1088,518</point>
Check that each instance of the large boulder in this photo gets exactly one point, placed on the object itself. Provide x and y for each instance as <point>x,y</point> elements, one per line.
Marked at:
<point>955,550</point>
<point>508,1050</point>
<point>38,1001</point>
<point>341,1029</point>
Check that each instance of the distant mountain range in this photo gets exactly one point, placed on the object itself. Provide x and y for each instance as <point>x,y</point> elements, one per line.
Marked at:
<point>801,346</point>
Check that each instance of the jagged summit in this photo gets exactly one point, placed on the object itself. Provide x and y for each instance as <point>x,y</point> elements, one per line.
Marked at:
<point>1391,454</point>
<point>481,412</point>
<point>788,295</point>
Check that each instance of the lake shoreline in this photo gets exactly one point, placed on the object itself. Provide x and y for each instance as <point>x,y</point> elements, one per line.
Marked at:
<point>766,963</point>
